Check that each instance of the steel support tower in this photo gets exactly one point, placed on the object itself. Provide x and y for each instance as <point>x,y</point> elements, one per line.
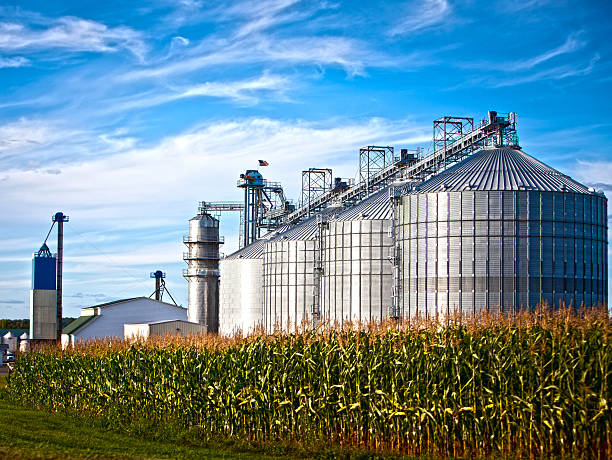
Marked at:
<point>315,182</point>
<point>496,129</point>
<point>265,205</point>
<point>447,130</point>
<point>372,160</point>
<point>159,284</point>
<point>59,218</point>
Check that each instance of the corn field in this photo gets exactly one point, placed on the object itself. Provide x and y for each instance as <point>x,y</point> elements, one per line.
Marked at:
<point>527,386</point>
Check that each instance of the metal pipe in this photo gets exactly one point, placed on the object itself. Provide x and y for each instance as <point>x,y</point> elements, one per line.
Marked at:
<point>59,218</point>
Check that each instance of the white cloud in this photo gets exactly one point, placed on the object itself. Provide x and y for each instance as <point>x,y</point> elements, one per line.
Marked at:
<point>117,140</point>
<point>12,62</point>
<point>523,5</point>
<point>162,184</point>
<point>572,43</point>
<point>555,73</point>
<point>180,40</point>
<point>71,34</point>
<point>595,173</point>
<point>264,14</point>
<point>25,133</point>
<point>503,74</point>
<point>349,54</point>
<point>27,143</point>
<point>421,16</point>
<point>243,91</point>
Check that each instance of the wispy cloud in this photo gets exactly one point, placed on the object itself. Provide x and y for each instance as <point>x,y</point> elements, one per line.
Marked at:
<point>118,140</point>
<point>573,43</point>
<point>28,144</point>
<point>523,5</point>
<point>347,53</point>
<point>17,61</point>
<point>555,73</point>
<point>264,14</point>
<point>71,34</point>
<point>421,16</point>
<point>511,73</point>
<point>242,91</point>
<point>24,133</point>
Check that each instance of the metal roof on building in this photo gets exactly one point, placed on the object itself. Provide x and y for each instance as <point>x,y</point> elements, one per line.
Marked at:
<point>78,324</point>
<point>500,168</point>
<point>130,299</point>
<point>15,332</point>
<point>163,321</point>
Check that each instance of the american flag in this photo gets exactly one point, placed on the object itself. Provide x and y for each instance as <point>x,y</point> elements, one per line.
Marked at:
<point>263,163</point>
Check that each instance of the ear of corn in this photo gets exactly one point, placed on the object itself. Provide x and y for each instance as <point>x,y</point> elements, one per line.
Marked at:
<point>532,386</point>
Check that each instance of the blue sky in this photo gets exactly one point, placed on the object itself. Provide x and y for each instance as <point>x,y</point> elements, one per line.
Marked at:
<point>124,117</point>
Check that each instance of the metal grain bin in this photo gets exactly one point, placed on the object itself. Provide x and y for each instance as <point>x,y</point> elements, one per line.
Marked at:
<point>43,296</point>
<point>356,272</point>
<point>288,277</point>
<point>241,290</point>
<point>501,230</point>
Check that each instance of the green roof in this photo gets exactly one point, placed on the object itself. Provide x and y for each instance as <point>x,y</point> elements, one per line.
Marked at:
<point>106,304</point>
<point>15,332</point>
<point>77,324</point>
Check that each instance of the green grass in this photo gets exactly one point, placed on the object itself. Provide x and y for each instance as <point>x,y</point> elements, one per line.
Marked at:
<point>30,433</point>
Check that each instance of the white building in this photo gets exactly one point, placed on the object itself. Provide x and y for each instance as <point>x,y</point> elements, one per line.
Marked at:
<point>161,328</point>
<point>108,319</point>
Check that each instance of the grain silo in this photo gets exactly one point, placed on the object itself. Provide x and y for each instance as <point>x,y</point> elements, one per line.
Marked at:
<point>241,290</point>
<point>356,281</point>
<point>500,229</point>
<point>288,276</point>
<point>202,273</point>
<point>43,296</point>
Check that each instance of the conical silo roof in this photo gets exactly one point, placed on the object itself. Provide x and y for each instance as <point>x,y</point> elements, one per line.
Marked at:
<point>307,229</point>
<point>255,249</point>
<point>377,206</point>
<point>502,168</point>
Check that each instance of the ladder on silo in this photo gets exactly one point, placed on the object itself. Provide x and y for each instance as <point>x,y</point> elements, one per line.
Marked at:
<point>318,272</point>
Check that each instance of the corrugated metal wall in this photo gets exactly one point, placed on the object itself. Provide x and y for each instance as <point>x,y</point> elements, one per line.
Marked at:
<point>479,250</point>
<point>241,295</point>
<point>357,275</point>
<point>288,273</point>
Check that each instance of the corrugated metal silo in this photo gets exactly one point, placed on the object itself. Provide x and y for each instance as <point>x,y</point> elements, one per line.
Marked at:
<point>357,274</point>
<point>241,290</point>
<point>288,274</point>
<point>501,229</point>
